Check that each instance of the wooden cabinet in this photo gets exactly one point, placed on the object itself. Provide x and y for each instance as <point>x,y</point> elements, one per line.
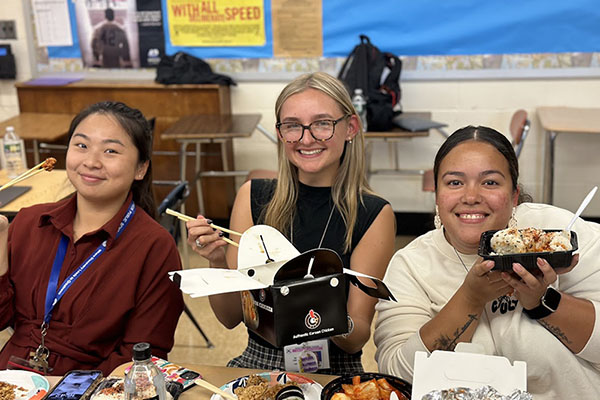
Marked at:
<point>165,103</point>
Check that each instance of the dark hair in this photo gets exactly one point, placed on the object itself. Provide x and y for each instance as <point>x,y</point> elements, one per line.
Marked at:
<point>109,14</point>
<point>482,134</point>
<point>137,127</point>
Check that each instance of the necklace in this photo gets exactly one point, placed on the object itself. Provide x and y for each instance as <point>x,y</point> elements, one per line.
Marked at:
<point>324,231</point>
<point>460,259</point>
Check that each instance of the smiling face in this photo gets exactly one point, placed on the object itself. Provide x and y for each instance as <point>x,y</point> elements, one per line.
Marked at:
<point>317,162</point>
<point>474,193</point>
<point>102,161</point>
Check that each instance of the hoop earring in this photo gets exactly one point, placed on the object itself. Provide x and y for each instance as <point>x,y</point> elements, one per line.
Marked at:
<point>512,222</point>
<point>437,221</point>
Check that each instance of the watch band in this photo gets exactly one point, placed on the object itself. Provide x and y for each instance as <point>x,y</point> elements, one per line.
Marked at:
<point>548,304</point>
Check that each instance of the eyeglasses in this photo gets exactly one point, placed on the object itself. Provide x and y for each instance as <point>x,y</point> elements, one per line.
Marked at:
<point>321,130</point>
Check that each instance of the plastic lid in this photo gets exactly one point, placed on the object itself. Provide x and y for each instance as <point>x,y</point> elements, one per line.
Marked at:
<point>141,351</point>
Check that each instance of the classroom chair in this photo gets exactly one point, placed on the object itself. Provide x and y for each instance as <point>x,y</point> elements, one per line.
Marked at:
<point>174,200</point>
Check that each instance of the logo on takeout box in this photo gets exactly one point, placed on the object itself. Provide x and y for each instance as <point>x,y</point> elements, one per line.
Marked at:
<point>312,320</point>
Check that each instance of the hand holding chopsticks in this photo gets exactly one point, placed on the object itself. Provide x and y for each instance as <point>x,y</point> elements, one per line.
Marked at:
<point>186,218</point>
<point>46,165</point>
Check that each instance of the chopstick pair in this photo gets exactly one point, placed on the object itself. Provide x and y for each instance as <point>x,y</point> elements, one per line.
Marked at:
<point>186,218</point>
<point>214,389</point>
<point>46,165</point>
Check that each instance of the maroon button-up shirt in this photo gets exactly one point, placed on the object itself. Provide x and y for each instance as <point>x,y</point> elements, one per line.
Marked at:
<point>123,298</point>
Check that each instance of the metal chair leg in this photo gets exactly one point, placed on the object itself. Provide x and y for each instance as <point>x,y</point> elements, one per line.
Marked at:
<point>191,317</point>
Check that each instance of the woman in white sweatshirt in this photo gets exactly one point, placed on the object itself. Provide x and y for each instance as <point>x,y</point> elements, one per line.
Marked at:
<point>447,294</point>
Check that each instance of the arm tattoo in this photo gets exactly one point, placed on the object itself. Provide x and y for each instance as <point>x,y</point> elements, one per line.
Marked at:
<point>556,331</point>
<point>445,343</point>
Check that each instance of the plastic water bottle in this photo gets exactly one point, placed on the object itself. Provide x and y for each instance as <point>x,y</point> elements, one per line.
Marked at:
<point>360,105</point>
<point>13,153</point>
<point>144,380</point>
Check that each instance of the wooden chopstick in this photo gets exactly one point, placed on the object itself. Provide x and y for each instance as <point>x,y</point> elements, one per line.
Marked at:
<point>179,215</point>
<point>21,178</point>
<point>186,218</point>
<point>214,389</point>
<point>230,242</point>
<point>16,179</point>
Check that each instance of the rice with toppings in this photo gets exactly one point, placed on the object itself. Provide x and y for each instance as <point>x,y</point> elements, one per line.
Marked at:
<point>529,240</point>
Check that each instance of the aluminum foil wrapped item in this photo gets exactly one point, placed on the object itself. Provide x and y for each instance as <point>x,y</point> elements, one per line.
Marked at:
<point>483,393</point>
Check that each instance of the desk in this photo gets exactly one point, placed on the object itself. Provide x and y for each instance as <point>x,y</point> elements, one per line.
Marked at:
<point>205,128</point>
<point>219,376</point>
<point>557,120</point>
<point>46,187</point>
<point>393,137</point>
<point>38,126</point>
<point>167,103</point>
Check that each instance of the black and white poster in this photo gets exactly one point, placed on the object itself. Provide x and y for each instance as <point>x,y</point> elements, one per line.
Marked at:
<point>120,33</point>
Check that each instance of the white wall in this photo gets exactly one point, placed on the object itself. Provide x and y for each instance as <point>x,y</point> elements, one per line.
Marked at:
<point>456,102</point>
<point>460,103</point>
<point>13,10</point>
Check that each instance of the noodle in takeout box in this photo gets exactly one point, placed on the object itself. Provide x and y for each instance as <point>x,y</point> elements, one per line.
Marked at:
<point>287,297</point>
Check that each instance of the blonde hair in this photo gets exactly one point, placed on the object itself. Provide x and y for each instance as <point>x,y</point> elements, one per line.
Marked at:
<point>351,181</point>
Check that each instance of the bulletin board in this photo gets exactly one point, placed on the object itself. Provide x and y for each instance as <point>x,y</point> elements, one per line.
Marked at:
<point>424,28</point>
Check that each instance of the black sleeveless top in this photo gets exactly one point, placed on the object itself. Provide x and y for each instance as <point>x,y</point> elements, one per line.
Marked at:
<point>313,209</point>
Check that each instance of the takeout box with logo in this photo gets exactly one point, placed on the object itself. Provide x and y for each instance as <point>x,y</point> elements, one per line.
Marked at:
<point>287,297</point>
<point>466,367</point>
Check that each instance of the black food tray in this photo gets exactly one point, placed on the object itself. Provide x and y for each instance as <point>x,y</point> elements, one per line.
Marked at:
<point>556,259</point>
<point>335,385</point>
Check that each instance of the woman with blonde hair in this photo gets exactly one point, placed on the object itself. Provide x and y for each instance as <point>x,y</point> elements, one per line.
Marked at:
<point>320,199</point>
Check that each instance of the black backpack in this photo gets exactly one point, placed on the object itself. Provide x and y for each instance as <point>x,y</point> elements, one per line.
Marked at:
<point>185,68</point>
<point>378,75</point>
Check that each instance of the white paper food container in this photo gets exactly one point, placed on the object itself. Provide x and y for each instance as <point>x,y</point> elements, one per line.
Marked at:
<point>466,367</point>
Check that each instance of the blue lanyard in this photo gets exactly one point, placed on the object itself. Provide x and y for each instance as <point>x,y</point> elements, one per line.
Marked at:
<point>53,296</point>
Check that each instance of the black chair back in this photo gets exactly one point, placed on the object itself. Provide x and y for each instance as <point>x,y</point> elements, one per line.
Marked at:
<point>173,200</point>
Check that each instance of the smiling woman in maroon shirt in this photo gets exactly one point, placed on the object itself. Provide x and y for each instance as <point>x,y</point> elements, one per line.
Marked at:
<point>105,239</point>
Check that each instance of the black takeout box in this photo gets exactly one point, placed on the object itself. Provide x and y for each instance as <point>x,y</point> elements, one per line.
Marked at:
<point>556,259</point>
<point>296,308</point>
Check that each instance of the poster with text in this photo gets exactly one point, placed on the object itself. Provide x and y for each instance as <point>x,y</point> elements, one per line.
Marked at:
<point>120,33</point>
<point>216,23</point>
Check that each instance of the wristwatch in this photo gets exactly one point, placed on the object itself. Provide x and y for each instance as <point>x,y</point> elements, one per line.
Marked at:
<point>548,304</point>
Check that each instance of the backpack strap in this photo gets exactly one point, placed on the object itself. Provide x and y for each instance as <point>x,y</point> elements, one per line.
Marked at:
<point>355,70</point>
<point>391,84</point>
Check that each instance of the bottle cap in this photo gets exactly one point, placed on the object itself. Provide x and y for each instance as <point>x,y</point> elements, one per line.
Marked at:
<point>141,351</point>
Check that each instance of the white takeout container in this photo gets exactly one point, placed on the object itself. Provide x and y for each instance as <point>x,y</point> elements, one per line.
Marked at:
<point>466,367</point>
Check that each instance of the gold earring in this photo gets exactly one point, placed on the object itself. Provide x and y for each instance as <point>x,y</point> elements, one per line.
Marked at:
<point>437,221</point>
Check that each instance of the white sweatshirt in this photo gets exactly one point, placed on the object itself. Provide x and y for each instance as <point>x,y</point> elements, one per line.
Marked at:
<point>425,274</point>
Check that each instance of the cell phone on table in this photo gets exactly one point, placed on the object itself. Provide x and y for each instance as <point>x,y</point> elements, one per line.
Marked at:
<point>75,385</point>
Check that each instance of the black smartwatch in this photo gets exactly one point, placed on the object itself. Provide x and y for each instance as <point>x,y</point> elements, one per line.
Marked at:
<point>548,304</point>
